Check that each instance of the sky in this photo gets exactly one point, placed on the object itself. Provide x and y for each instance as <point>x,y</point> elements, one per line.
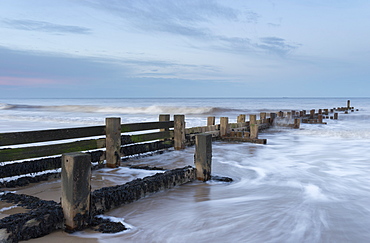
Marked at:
<point>184,48</point>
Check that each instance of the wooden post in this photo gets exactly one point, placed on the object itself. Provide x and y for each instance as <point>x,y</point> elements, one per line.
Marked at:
<point>326,111</point>
<point>76,177</point>
<point>252,119</point>
<point>113,141</point>
<point>164,117</point>
<point>241,118</point>
<point>253,131</point>
<point>203,156</point>
<point>319,117</point>
<point>348,104</point>
<point>335,116</point>
<point>312,114</point>
<point>263,117</point>
<point>224,126</point>
<point>179,132</point>
<point>297,123</point>
<point>289,115</point>
<point>281,114</point>
<point>211,121</point>
<point>272,118</point>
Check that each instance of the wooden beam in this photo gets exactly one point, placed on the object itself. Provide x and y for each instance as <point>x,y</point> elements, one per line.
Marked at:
<point>48,150</point>
<point>15,138</point>
<point>135,127</point>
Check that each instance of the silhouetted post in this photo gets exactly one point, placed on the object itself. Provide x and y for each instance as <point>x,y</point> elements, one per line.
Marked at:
<point>113,141</point>
<point>241,118</point>
<point>76,177</point>
<point>348,104</point>
<point>211,120</point>
<point>297,123</point>
<point>164,117</point>
<point>335,116</point>
<point>179,132</point>
<point>224,126</point>
<point>203,156</point>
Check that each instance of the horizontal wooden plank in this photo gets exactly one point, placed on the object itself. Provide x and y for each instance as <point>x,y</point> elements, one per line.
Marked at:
<point>48,150</point>
<point>135,127</point>
<point>147,137</point>
<point>49,135</point>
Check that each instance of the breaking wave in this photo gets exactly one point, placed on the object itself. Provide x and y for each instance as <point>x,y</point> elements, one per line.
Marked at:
<point>154,109</point>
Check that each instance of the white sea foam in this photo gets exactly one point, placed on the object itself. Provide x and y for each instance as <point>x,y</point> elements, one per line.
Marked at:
<point>7,208</point>
<point>4,106</point>
<point>314,192</point>
<point>152,109</point>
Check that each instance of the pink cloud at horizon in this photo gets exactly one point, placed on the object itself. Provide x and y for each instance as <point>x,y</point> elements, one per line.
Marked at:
<point>21,81</point>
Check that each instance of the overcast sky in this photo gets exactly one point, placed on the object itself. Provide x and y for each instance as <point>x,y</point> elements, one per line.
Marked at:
<point>184,48</point>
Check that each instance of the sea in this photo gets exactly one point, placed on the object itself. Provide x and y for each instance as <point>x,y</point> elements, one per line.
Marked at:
<point>305,185</point>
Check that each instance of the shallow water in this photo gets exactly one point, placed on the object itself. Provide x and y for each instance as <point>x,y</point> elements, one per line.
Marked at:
<point>305,185</point>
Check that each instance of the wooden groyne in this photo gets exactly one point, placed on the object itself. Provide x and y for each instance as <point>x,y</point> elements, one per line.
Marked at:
<point>107,146</point>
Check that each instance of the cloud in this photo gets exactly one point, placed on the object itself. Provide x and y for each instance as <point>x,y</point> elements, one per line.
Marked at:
<point>42,26</point>
<point>192,19</point>
<point>276,45</point>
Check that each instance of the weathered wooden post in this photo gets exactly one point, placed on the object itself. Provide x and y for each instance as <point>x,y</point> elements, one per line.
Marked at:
<point>289,115</point>
<point>335,116</point>
<point>348,104</point>
<point>320,118</point>
<point>263,117</point>
<point>252,119</point>
<point>297,123</point>
<point>75,177</point>
<point>179,132</point>
<point>224,126</point>
<point>272,118</point>
<point>164,117</point>
<point>281,114</point>
<point>253,131</point>
<point>203,156</point>
<point>312,114</point>
<point>326,111</point>
<point>241,118</point>
<point>113,141</point>
<point>211,120</point>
